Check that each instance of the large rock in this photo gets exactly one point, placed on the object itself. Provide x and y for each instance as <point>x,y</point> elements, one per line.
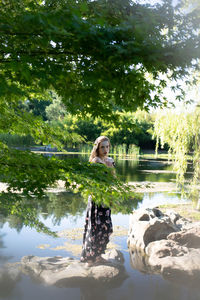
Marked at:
<point>189,237</point>
<point>175,262</point>
<point>66,271</point>
<point>173,253</point>
<point>148,225</point>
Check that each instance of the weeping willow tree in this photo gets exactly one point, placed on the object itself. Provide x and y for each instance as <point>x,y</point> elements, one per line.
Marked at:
<point>181,132</point>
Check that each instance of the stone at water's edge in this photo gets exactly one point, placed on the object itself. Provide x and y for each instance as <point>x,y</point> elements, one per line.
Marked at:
<point>189,237</point>
<point>148,225</point>
<point>66,271</point>
<point>165,243</point>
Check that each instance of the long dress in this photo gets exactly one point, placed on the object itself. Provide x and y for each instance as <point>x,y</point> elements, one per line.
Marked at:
<point>97,230</point>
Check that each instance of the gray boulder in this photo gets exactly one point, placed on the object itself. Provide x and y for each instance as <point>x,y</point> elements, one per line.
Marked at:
<point>165,244</point>
<point>189,237</point>
<point>66,271</point>
<point>148,225</point>
<point>175,262</point>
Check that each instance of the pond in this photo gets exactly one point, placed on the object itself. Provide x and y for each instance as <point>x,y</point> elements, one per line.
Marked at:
<point>64,213</point>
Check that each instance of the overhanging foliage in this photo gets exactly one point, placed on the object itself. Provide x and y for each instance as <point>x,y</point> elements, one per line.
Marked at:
<point>95,54</point>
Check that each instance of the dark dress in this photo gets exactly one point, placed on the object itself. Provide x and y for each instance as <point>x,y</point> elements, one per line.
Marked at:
<point>97,230</point>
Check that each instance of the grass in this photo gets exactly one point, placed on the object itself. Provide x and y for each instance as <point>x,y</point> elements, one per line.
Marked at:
<point>188,210</point>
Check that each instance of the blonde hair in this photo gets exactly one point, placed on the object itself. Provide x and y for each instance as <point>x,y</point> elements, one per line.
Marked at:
<point>95,151</point>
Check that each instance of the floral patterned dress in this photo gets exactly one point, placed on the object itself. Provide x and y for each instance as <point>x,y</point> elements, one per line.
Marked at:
<point>98,228</point>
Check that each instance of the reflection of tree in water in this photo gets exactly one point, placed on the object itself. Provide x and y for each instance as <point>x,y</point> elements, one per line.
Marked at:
<point>3,258</point>
<point>62,205</point>
<point>8,285</point>
<point>128,204</point>
<point>126,168</point>
<point>9,276</point>
<point>13,220</point>
<point>26,212</point>
<point>1,240</point>
<point>134,170</point>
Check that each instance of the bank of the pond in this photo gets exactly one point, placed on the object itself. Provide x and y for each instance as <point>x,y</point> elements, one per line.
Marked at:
<point>188,210</point>
<point>138,187</point>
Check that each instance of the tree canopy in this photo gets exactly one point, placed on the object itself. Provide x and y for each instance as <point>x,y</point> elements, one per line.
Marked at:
<point>95,54</point>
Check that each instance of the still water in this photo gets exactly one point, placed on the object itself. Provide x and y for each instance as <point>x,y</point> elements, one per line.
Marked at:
<point>63,211</point>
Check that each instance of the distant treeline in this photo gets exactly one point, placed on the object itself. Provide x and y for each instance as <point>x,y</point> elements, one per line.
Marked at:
<point>131,128</point>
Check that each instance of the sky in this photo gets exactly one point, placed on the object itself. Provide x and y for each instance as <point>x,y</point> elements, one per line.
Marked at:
<point>152,2</point>
<point>192,92</point>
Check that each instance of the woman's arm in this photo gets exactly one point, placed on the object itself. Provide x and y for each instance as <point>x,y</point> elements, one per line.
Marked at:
<point>110,162</point>
<point>96,160</point>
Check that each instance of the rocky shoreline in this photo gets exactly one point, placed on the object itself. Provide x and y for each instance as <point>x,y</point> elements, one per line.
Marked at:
<point>159,242</point>
<point>166,244</point>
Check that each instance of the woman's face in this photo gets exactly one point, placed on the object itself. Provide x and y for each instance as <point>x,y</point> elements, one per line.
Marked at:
<point>104,148</point>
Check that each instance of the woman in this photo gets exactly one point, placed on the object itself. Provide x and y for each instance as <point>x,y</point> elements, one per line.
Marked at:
<point>98,224</point>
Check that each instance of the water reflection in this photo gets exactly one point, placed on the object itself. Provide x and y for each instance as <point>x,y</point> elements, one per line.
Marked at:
<point>155,199</point>
<point>55,205</point>
<point>61,205</point>
<point>135,169</point>
<point>139,261</point>
<point>3,258</point>
<point>61,211</point>
<point>9,277</point>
